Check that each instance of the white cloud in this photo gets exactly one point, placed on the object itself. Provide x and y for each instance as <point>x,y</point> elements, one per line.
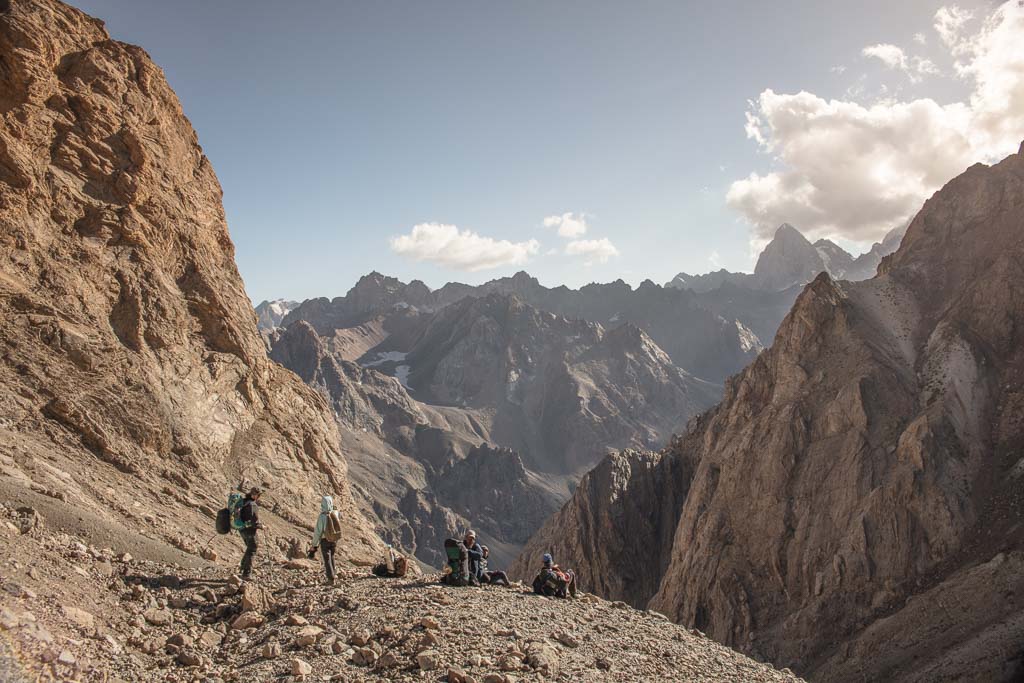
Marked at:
<point>450,247</point>
<point>838,69</point>
<point>890,55</point>
<point>895,58</point>
<point>949,23</point>
<point>925,66</point>
<point>854,171</point>
<point>592,251</point>
<point>920,38</point>
<point>569,225</point>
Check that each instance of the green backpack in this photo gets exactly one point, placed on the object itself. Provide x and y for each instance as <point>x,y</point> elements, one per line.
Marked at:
<point>458,563</point>
<point>235,501</point>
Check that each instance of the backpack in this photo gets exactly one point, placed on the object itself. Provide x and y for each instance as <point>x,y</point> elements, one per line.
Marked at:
<point>457,573</point>
<point>235,501</point>
<point>223,521</point>
<point>332,529</point>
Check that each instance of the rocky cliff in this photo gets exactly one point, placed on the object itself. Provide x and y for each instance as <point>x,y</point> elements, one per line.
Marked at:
<point>135,391</point>
<point>861,478</point>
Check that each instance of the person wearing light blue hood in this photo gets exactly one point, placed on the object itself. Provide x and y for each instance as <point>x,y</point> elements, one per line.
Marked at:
<point>326,535</point>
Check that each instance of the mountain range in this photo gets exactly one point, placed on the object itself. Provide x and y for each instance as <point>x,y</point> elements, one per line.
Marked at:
<point>850,508</point>
<point>791,260</point>
<point>550,379</point>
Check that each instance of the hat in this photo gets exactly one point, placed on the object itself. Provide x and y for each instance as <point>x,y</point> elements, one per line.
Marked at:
<point>548,559</point>
<point>471,533</point>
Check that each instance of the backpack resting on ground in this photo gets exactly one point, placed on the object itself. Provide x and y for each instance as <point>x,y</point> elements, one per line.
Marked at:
<point>457,569</point>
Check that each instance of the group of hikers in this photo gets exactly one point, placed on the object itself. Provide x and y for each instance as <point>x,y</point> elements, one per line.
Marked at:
<point>467,560</point>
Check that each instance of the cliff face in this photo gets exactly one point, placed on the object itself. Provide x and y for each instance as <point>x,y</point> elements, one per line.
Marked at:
<point>616,532</point>
<point>131,365</point>
<point>865,471</point>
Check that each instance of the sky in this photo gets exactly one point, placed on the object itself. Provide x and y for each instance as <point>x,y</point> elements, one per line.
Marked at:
<point>580,141</point>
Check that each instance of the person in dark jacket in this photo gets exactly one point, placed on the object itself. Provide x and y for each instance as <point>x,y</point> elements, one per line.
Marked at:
<point>495,578</point>
<point>250,514</point>
<point>475,554</point>
<point>554,581</point>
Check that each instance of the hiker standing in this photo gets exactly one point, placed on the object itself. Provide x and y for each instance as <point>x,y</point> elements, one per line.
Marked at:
<point>326,535</point>
<point>250,516</point>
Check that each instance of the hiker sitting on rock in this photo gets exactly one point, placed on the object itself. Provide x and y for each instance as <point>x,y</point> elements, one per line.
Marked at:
<point>326,535</point>
<point>495,578</point>
<point>475,554</point>
<point>249,513</point>
<point>554,581</point>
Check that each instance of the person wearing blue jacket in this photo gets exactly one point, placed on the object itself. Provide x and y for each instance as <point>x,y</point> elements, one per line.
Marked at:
<point>326,547</point>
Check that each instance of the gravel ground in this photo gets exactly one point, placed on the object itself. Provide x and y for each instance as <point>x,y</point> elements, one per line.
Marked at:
<point>75,612</point>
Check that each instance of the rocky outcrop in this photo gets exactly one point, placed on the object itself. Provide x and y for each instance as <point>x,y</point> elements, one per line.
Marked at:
<point>861,478</point>
<point>131,368</point>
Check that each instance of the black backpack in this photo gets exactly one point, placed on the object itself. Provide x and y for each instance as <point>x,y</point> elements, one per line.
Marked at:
<point>224,521</point>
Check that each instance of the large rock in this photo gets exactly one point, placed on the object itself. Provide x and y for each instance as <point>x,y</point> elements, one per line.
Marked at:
<point>131,349</point>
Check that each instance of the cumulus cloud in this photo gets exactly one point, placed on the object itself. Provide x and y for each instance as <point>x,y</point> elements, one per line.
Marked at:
<point>592,251</point>
<point>852,170</point>
<point>569,225</point>
<point>450,247</point>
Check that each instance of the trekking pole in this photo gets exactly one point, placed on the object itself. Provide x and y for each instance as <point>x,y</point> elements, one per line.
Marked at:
<point>207,544</point>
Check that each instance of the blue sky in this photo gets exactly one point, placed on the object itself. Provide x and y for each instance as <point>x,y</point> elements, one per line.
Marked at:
<point>336,126</point>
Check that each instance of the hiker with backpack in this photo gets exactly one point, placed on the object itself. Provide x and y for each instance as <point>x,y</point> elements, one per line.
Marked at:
<point>326,535</point>
<point>554,581</point>
<point>494,578</point>
<point>246,518</point>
